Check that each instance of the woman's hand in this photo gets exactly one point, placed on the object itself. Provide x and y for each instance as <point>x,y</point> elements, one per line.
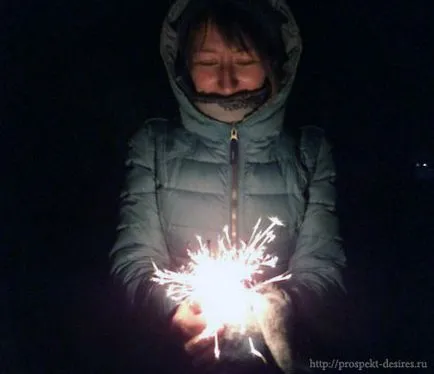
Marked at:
<point>189,322</point>
<point>274,324</point>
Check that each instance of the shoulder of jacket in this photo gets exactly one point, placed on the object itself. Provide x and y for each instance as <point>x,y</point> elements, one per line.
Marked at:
<point>156,125</point>
<point>151,128</point>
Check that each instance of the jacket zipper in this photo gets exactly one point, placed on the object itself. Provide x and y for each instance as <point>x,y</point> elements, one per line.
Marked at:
<point>233,151</point>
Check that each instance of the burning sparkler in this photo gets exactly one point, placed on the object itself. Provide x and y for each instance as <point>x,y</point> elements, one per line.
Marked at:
<point>225,277</point>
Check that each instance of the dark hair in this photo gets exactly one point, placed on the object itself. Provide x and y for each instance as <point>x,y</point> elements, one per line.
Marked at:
<point>240,22</point>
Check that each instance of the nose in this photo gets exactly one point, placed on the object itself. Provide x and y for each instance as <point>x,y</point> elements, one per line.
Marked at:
<point>227,82</point>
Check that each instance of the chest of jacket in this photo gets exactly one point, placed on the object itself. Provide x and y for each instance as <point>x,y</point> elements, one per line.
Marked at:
<point>195,185</point>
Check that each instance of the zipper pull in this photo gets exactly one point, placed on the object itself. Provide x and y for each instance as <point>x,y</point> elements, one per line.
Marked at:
<point>234,146</point>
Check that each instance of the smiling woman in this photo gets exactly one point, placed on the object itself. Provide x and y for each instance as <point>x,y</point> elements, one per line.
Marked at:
<point>229,82</point>
<point>217,67</point>
<point>233,56</point>
<point>195,174</point>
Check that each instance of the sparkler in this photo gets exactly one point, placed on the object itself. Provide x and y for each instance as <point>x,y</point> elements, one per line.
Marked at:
<point>222,282</point>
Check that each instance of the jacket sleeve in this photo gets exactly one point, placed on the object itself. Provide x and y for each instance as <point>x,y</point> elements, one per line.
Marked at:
<point>318,259</point>
<point>140,239</point>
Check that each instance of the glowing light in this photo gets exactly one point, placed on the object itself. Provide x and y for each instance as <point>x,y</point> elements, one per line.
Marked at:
<point>221,281</point>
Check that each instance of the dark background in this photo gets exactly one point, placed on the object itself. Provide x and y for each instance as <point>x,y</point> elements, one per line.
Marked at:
<point>79,77</point>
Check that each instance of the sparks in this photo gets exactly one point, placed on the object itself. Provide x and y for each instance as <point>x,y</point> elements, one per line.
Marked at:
<point>216,279</point>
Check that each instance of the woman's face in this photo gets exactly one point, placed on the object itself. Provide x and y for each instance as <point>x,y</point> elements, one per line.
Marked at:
<point>217,68</point>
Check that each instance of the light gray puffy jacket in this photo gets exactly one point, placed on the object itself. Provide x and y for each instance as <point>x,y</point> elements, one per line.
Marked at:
<point>180,180</point>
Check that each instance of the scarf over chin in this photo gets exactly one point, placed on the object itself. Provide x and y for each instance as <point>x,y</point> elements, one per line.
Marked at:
<point>231,108</point>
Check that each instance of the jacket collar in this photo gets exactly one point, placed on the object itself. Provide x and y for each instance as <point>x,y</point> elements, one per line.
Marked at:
<point>265,122</point>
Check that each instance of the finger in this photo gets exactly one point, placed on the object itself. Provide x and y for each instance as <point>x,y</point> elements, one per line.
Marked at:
<point>194,326</point>
<point>189,324</point>
<point>195,307</point>
<point>197,344</point>
<point>192,331</point>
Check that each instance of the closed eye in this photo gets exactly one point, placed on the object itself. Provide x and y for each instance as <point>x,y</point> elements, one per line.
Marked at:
<point>246,62</point>
<point>205,63</point>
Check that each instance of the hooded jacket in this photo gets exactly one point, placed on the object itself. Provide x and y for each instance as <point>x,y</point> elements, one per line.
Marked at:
<point>180,182</point>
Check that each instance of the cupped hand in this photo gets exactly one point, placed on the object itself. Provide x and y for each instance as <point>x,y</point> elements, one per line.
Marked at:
<point>189,321</point>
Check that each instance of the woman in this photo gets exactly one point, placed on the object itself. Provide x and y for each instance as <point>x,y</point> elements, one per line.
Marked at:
<point>231,65</point>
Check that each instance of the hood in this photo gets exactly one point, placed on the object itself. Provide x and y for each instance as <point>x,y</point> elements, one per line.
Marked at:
<point>267,120</point>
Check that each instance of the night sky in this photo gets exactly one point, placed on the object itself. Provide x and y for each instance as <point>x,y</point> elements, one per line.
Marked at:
<point>80,77</point>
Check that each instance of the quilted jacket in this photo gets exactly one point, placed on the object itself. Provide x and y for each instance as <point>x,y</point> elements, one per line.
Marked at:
<point>196,175</point>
